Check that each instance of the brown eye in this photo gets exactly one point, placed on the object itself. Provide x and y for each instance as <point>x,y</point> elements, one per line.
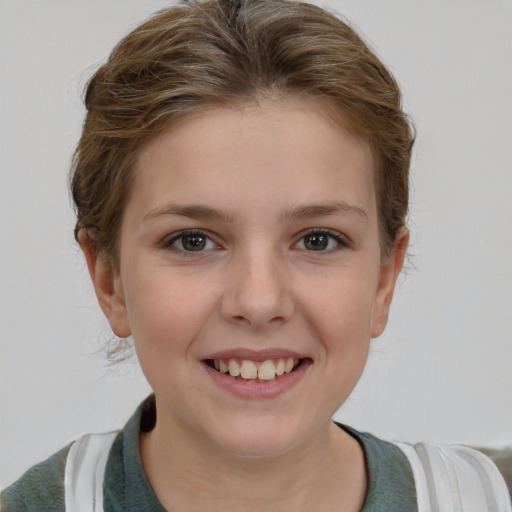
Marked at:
<point>316,242</point>
<point>194,242</point>
<point>321,241</point>
<point>191,241</point>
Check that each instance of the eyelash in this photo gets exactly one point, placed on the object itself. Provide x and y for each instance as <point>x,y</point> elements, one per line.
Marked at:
<point>169,242</point>
<point>340,240</point>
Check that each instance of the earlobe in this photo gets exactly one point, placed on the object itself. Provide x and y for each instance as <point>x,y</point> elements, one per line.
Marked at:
<point>389,272</point>
<point>107,285</point>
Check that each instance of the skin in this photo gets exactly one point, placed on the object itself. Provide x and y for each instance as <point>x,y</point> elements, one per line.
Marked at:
<point>255,285</point>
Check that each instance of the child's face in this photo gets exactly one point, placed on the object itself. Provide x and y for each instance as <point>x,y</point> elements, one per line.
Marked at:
<point>280,259</point>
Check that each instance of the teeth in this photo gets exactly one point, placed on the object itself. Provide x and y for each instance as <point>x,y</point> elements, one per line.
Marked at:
<point>223,367</point>
<point>248,370</point>
<point>251,370</point>
<point>234,369</point>
<point>267,371</point>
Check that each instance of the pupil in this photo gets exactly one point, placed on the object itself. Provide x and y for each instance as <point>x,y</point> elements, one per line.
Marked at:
<point>193,242</point>
<point>316,242</point>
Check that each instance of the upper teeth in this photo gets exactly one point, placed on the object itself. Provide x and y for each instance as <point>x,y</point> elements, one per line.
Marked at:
<point>247,369</point>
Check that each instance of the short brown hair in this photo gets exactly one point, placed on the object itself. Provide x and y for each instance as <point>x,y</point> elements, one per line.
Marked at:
<point>202,54</point>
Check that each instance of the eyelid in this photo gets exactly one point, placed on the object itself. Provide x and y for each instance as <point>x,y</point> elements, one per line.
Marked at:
<point>341,239</point>
<point>172,238</point>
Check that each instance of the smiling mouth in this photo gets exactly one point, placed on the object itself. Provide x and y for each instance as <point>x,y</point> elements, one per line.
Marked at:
<point>258,371</point>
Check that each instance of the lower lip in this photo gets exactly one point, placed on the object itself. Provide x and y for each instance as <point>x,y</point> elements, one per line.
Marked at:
<point>258,389</point>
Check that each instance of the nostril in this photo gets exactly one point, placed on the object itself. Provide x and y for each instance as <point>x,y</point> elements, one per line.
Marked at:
<point>277,319</point>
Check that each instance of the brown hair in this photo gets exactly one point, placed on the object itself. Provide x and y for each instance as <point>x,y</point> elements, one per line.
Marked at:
<point>229,52</point>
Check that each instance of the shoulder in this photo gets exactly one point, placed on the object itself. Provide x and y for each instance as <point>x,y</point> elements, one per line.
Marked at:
<point>390,479</point>
<point>456,474</point>
<point>503,460</point>
<point>407,477</point>
<point>41,488</point>
<point>76,467</point>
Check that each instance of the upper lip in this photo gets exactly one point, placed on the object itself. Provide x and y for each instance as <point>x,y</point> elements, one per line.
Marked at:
<point>256,355</point>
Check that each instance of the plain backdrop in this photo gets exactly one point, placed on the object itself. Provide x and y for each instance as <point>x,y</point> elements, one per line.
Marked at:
<point>442,371</point>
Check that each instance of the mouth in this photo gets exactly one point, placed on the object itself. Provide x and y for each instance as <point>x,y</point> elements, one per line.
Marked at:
<point>256,371</point>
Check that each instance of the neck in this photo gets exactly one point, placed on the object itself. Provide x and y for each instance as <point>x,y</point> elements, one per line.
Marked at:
<point>326,472</point>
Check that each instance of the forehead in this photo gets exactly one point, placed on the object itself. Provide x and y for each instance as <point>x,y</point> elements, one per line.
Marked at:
<point>288,151</point>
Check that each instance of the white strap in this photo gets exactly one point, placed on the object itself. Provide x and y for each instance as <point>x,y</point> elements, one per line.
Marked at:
<point>85,469</point>
<point>456,479</point>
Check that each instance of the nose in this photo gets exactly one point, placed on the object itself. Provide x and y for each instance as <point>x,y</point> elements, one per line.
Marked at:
<point>257,291</point>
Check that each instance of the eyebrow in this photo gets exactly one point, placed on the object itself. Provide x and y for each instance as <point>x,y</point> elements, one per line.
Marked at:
<point>192,211</point>
<point>323,210</point>
<point>204,212</point>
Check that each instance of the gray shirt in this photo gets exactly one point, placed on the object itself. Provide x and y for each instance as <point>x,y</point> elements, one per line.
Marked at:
<point>127,489</point>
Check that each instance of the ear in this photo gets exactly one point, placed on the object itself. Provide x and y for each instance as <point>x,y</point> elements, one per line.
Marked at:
<point>389,271</point>
<point>107,284</point>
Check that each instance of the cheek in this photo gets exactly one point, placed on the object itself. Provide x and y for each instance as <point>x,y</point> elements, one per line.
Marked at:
<point>166,310</point>
<point>341,305</point>
<point>341,312</point>
<point>166,316</point>
<point>346,336</point>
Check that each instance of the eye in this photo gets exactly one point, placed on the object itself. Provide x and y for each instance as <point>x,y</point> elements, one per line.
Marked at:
<point>321,240</point>
<point>190,241</point>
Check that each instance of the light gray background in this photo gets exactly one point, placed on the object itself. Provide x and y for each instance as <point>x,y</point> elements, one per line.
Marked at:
<point>442,372</point>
